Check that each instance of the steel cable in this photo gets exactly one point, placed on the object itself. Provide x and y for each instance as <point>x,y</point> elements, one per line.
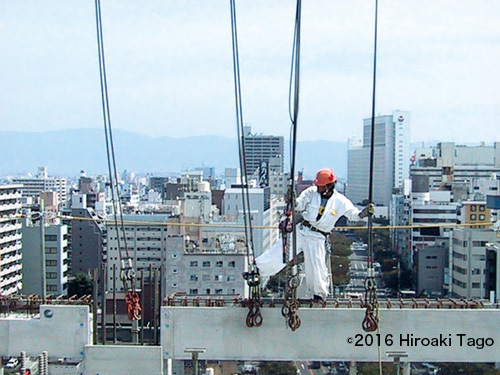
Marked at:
<point>127,271</point>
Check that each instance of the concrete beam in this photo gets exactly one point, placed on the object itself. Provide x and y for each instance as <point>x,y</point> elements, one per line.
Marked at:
<point>427,335</point>
<point>123,359</point>
<point>62,331</point>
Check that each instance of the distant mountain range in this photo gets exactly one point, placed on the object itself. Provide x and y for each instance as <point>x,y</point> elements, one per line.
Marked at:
<point>67,152</point>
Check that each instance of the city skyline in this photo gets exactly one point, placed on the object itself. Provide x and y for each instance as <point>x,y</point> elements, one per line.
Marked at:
<point>169,67</point>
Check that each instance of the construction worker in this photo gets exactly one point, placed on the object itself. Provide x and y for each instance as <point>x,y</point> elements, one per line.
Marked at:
<point>321,207</point>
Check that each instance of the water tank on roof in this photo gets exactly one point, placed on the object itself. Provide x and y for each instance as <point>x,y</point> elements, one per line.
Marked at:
<point>204,187</point>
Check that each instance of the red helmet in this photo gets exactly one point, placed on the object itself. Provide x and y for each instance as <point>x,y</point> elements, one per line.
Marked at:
<point>324,177</point>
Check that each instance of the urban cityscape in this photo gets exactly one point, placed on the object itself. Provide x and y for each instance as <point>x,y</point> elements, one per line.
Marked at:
<point>183,239</point>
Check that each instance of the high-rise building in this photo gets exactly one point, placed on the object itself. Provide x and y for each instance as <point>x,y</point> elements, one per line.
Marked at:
<point>10,240</point>
<point>391,162</point>
<point>263,148</point>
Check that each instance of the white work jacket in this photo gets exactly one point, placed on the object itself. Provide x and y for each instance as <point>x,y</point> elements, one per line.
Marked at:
<point>309,202</point>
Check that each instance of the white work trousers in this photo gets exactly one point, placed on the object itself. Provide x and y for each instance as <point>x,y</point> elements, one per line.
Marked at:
<point>312,244</point>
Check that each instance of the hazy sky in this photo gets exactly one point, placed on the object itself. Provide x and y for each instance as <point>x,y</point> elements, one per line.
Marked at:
<point>169,66</point>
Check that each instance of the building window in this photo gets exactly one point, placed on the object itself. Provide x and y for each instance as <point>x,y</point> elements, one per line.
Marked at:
<point>218,291</point>
<point>473,216</point>
<point>51,288</point>
<point>481,217</point>
<point>206,263</point>
<point>232,263</point>
<point>51,250</point>
<point>193,278</point>
<point>174,285</point>
<point>230,278</point>
<point>175,256</point>
<point>482,208</point>
<point>219,263</point>
<point>231,291</point>
<point>476,285</point>
<point>193,291</point>
<point>193,263</point>
<point>175,270</point>
<point>51,263</point>
<point>473,208</point>
<point>50,237</point>
<point>205,277</point>
<point>51,275</point>
<point>218,277</point>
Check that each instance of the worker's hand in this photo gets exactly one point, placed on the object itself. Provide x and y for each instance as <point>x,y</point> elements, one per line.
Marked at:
<point>368,210</point>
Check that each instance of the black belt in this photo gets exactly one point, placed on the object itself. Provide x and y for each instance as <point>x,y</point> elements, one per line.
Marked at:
<point>314,229</point>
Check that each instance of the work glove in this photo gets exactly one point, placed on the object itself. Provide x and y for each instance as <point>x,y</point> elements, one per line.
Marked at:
<point>368,210</point>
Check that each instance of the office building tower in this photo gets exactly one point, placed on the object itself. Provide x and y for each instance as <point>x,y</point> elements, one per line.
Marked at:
<point>391,158</point>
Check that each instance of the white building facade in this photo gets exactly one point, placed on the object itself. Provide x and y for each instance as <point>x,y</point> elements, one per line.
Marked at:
<point>10,240</point>
<point>56,259</point>
<point>34,186</point>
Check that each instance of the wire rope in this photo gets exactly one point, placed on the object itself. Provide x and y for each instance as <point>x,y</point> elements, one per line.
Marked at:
<point>128,273</point>
<point>371,320</point>
<point>241,137</point>
<point>293,109</point>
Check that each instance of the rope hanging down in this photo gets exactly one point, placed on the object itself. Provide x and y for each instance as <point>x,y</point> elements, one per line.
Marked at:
<point>370,322</point>
<point>127,273</point>
<point>291,304</point>
<point>254,317</point>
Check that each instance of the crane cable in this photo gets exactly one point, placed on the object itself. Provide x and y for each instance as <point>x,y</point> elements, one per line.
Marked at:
<point>291,304</point>
<point>254,317</point>
<point>127,272</point>
<point>371,320</point>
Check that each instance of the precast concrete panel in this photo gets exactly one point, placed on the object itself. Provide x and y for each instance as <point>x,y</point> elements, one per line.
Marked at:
<point>425,335</point>
<point>62,331</point>
<point>122,359</point>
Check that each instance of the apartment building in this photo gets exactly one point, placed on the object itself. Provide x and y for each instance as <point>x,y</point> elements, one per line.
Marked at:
<point>55,256</point>
<point>185,266</point>
<point>263,148</point>
<point>469,262</point>
<point>211,272</point>
<point>10,240</point>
